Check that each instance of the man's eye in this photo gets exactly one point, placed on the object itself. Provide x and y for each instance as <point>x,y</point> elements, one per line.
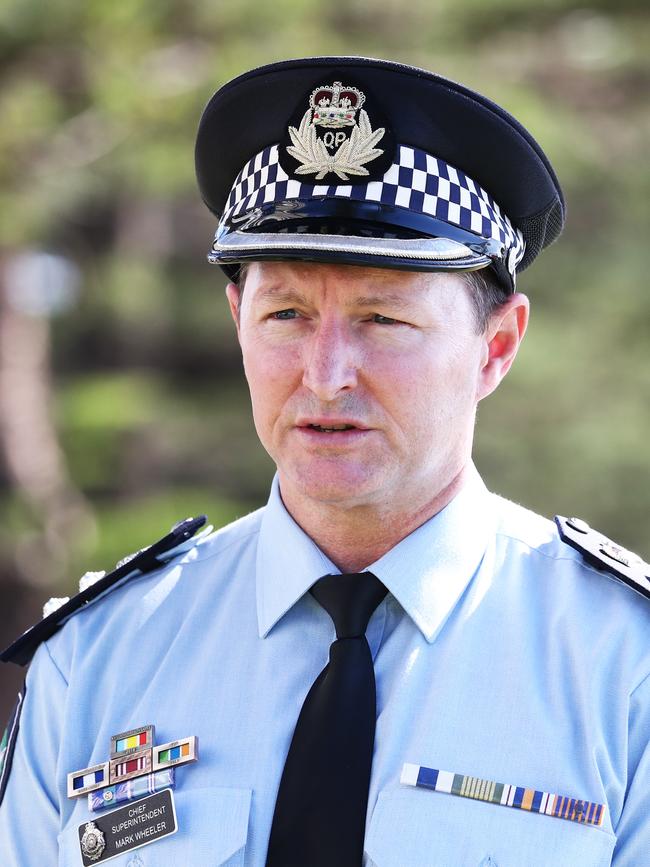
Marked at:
<point>383,320</point>
<point>285,314</point>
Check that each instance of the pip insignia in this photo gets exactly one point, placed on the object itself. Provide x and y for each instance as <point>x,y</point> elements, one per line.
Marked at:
<point>330,137</point>
<point>92,842</point>
<point>136,767</point>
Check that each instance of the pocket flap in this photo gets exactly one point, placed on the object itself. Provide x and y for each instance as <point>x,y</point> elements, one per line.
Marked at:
<point>421,828</point>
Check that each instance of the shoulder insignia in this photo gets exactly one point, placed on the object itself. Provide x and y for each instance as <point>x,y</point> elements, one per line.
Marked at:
<point>601,552</point>
<point>96,584</point>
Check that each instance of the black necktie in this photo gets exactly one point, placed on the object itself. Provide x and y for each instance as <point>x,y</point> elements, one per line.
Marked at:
<point>320,811</point>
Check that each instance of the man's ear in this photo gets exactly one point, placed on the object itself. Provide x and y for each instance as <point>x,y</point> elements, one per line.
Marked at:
<point>503,337</point>
<point>233,294</point>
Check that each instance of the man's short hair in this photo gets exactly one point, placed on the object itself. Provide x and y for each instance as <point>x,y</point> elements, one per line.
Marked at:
<point>487,295</point>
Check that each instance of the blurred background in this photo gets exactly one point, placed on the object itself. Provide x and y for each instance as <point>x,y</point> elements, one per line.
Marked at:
<point>122,404</point>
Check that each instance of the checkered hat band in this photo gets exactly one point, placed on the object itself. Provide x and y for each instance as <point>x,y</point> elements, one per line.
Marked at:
<point>417,182</point>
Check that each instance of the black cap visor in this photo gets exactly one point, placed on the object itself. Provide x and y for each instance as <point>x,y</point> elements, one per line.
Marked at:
<point>356,233</point>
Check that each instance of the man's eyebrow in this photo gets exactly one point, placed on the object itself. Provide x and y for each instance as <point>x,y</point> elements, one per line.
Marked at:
<point>390,299</point>
<point>286,295</point>
<point>281,295</point>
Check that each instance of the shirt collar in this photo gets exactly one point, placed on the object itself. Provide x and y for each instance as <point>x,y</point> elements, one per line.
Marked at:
<point>426,572</point>
<point>288,563</point>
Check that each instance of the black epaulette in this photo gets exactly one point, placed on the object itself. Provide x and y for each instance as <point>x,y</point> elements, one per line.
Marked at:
<point>601,552</point>
<point>146,560</point>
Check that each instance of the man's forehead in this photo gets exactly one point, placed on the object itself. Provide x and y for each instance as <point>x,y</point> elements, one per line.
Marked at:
<point>270,275</point>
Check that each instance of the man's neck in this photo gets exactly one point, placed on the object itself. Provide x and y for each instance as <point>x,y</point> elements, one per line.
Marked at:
<point>353,538</point>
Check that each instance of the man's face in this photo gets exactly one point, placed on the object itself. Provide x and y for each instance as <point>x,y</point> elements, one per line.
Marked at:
<point>364,381</point>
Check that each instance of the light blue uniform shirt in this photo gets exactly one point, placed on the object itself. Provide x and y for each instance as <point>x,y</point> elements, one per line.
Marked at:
<point>498,654</point>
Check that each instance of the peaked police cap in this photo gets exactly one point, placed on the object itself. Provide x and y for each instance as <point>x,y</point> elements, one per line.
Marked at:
<point>362,161</point>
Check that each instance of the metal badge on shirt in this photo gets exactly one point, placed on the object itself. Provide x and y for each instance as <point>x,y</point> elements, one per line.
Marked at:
<point>135,767</point>
<point>137,824</point>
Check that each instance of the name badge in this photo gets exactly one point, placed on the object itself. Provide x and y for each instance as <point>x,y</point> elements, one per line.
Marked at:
<point>138,824</point>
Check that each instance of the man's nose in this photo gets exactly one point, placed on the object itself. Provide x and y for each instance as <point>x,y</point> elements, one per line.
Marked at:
<point>331,361</point>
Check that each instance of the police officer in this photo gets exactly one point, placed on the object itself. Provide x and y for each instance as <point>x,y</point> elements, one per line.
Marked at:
<point>387,664</point>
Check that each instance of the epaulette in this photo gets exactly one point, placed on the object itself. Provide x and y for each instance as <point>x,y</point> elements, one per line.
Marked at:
<point>601,552</point>
<point>94,585</point>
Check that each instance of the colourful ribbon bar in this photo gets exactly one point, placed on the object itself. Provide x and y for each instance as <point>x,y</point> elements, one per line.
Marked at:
<point>176,753</point>
<point>179,752</point>
<point>504,794</point>
<point>87,780</point>
<point>132,741</point>
<point>130,789</point>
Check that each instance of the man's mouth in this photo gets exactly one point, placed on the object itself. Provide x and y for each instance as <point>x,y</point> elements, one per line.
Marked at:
<point>332,428</point>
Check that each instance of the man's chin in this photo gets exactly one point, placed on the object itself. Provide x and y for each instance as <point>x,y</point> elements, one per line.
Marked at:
<point>335,485</point>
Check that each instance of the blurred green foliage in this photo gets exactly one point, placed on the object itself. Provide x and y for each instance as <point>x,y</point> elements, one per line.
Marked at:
<point>99,105</point>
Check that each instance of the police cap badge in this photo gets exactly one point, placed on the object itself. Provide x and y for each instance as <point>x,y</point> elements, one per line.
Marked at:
<point>361,161</point>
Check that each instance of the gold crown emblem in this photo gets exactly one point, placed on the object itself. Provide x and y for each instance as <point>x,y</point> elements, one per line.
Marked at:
<point>324,151</point>
<point>335,105</point>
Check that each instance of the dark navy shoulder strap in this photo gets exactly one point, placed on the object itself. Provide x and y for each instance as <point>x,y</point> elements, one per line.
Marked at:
<point>601,552</point>
<point>8,742</point>
<point>146,560</point>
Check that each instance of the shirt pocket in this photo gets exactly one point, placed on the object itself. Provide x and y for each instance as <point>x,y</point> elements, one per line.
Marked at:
<point>432,829</point>
<point>212,829</point>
